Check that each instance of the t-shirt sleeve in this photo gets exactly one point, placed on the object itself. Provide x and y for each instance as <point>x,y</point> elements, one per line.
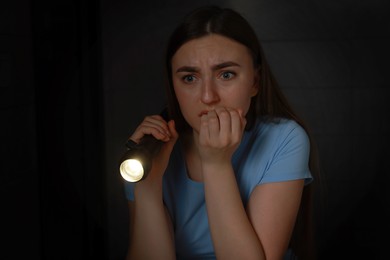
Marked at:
<point>290,160</point>
<point>129,190</point>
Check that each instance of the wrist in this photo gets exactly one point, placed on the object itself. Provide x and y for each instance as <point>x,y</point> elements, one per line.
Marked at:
<point>216,168</point>
<point>150,188</point>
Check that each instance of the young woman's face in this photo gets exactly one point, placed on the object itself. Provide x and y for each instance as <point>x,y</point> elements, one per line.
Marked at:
<point>211,72</point>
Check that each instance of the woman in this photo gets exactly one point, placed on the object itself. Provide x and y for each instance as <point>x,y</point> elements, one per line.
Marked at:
<point>229,179</point>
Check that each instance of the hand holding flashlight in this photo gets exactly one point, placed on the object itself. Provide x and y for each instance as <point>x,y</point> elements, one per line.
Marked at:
<point>148,149</point>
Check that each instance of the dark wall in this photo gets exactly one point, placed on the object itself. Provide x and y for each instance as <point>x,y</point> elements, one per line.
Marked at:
<point>76,77</point>
<point>70,128</point>
<point>52,170</point>
<point>331,60</point>
<point>19,180</point>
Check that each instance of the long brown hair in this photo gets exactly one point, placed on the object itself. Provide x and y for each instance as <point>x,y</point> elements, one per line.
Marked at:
<point>268,104</point>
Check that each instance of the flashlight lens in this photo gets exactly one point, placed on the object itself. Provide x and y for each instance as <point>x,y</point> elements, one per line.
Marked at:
<point>132,170</point>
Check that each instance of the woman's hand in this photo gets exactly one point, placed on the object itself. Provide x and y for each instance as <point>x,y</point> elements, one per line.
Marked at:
<point>152,125</point>
<point>156,126</point>
<point>220,134</point>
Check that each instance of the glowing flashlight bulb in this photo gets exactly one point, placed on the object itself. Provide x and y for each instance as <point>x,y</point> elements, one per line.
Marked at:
<point>132,170</point>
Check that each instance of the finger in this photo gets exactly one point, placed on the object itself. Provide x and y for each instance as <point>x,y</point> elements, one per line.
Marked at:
<point>225,125</point>
<point>152,125</point>
<point>167,148</point>
<point>243,119</point>
<point>173,132</point>
<point>213,125</point>
<point>159,128</point>
<point>204,134</point>
<point>142,131</point>
<point>158,121</point>
<point>236,125</point>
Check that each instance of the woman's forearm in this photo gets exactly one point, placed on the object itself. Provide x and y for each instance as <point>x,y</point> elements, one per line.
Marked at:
<point>232,233</point>
<point>151,237</point>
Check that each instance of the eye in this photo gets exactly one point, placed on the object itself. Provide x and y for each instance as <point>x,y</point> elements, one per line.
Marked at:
<point>189,78</point>
<point>226,75</point>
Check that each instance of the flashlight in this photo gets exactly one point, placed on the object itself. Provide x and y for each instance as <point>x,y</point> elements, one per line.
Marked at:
<point>136,163</point>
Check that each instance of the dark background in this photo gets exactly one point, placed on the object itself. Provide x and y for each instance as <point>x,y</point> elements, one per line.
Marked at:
<point>76,77</point>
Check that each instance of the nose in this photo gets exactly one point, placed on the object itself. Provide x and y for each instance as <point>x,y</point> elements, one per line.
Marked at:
<point>209,93</point>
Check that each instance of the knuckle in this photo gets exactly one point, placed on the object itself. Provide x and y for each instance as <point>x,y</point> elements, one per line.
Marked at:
<point>224,114</point>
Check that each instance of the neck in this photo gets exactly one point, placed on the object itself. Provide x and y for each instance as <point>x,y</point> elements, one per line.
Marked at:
<point>192,157</point>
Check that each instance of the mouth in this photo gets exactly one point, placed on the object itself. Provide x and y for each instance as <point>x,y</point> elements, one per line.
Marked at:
<point>204,112</point>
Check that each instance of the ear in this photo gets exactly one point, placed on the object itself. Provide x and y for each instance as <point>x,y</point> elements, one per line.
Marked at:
<point>256,83</point>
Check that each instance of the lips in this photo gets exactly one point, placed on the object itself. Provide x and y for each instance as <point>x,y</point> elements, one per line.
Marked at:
<point>204,112</point>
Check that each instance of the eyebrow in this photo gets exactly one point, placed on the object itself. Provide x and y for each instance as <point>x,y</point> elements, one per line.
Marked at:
<point>214,68</point>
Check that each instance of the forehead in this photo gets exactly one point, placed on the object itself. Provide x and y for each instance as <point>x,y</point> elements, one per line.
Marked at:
<point>211,49</point>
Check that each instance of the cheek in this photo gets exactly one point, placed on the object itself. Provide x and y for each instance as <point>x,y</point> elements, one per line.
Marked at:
<point>245,105</point>
<point>243,99</point>
<point>189,114</point>
<point>186,106</point>
<point>181,98</point>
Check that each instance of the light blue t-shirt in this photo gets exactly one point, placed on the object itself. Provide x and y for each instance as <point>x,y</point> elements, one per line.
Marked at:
<point>269,152</point>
